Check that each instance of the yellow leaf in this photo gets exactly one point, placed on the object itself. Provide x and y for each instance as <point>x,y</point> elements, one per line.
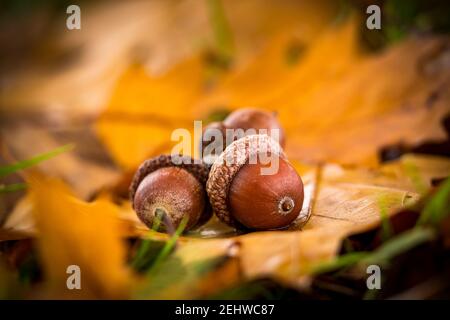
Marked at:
<point>144,110</point>
<point>73,232</point>
<point>269,82</point>
<point>338,105</point>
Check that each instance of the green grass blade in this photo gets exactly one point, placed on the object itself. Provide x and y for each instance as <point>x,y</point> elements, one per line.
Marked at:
<point>222,31</point>
<point>401,243</point>
<point>12,187</point>
<point>142,250</point>
<point>438,207</point>
<point>145,245</point>
<point>8,169</point>
<point>170,244</point>
<point>391,248</point>
<point>340,262</point>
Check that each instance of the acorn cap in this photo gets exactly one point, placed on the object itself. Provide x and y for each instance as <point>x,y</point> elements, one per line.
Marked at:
<point>197,170</point>
<point>227,166</point>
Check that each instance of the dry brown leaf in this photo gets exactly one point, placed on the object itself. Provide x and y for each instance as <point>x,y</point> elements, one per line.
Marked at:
<point>267,78</point>
<point>83,176</point>
<point>6,235</point>
<point>338,105</point>
<point>380,101</point>
<point>21,218</point>
<point>347,203</point>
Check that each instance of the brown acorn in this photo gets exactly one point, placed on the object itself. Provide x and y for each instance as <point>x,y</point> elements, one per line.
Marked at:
<point>209,139</point>
<point>252,118</point>
<point>245,119</point>
<point>244,196</point>
<point>173,189</point>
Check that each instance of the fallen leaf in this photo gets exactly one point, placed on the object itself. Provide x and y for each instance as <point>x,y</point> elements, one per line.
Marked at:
<point>348,201</point>
<point>268,76</point>
<point>144,110</point>
<point>72,232</point>
<point>84,177</point>
<point>336,99</point>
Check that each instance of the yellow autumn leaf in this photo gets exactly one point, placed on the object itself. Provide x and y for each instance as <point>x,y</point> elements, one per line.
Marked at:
<point>334,99</point>
<point>73,232</point>
<point>267,78</point>
<point>144,110</point>
<point>339,105</point>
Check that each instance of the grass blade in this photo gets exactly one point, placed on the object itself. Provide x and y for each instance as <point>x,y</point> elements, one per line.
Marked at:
<point>391,248</point>
<point>144,248</point>
<point>222,32</point>
<point>437,208</point>
<point>340,262</point>
<point>401,243</point>
<point>170,244</point>
<point>8,169</point>
<point>12,187</point>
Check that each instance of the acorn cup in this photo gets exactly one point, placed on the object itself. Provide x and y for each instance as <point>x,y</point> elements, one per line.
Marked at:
<point>171,190</point>
<point>247,193</point>
<point>244,119</point>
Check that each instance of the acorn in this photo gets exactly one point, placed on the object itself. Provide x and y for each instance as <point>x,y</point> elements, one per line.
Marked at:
<point>245,196</point>
<point>173,189</point>
<point>250,120</point>
<point>209,138</point>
